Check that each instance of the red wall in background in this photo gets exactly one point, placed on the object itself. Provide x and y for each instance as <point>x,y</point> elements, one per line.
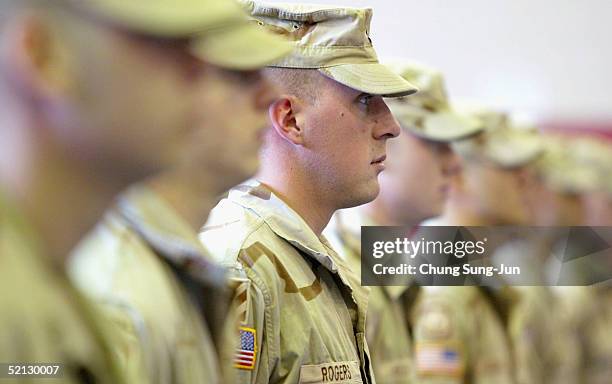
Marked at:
<point>602,129</point>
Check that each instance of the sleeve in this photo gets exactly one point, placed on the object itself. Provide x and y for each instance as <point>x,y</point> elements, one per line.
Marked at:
<point>440,355</point>
<point>250,357</point>
<point>126,343</point>
<point>527,338</point>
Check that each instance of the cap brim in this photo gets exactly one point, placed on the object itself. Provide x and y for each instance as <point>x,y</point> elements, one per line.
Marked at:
<point>513,152</point>
<point>371,78</point>
<point>241,47</point>
<point>447,126</point>
<point>507,150</point>
<point>163,18</point>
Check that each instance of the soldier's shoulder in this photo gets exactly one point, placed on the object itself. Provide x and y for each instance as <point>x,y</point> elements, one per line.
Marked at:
<point>103,253</point>
<point>228,228</point>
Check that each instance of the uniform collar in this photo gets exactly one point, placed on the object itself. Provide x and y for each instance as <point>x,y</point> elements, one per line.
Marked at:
<point>168,234</point>
<point>283,221</point>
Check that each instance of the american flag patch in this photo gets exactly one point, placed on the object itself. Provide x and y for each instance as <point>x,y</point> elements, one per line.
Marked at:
<point>246,353</point>
<point>438,359</point>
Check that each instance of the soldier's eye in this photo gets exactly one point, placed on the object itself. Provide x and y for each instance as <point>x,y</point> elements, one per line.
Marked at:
<point>365,99</point>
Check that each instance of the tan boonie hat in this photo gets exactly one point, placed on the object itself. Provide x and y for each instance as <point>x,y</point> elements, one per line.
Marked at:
<point>334,40</point>
<point>500,143</point>
<point>562,170</point>
<point>428,114</point>
<point>220,31</point>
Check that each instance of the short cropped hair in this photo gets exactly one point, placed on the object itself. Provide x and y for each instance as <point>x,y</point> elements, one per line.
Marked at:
<point>299,82</point>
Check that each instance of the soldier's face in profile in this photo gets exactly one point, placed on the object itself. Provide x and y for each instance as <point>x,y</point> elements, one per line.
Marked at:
<point>118,101</point>
<point>498,194</point>
<point>231,120</point>
<point>598,208</point>
<point>139,93</point>
<point>417,179</point>
<point>549,207</point>
<point>345,134</point>
<point>571,209</point>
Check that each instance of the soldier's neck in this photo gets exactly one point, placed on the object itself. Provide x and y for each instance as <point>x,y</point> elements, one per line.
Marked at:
<point>382,215</point>
<point>61,197</point>
<point>302,197</point>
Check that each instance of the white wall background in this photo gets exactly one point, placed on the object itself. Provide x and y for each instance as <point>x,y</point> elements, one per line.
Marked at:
<point>546,59</point>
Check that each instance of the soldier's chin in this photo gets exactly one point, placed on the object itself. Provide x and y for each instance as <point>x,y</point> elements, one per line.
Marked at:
<point>363,194</point>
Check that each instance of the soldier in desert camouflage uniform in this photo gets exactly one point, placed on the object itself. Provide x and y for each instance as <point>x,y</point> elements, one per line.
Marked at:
<point>303,313</point>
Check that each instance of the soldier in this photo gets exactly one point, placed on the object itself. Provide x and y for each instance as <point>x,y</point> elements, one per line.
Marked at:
<point>561,181</point>
<point>302,310</point>
<point>597,155</point>
<point>493,165</point>
<point>585,311</point>
<point>143,263</point>
<point>459,332</point>
<point>413,189</point>
<point>543,349</point>
<point>95,94</point>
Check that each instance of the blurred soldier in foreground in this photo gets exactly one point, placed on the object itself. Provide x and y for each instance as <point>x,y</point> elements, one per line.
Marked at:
<point>459,332</point>
<point>413,188</point>
<point>303,311</point>
<point>144,263</point>
<point>94,95</point>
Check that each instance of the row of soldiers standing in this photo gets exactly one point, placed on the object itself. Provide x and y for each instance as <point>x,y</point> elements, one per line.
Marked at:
<point>171,98</point>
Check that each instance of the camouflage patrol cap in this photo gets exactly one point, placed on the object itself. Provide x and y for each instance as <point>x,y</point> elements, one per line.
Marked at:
<point>428,114</point>
<point>562,170</point>
<point>333,40</point>
<point>220,31</point>
<point>501,143</point>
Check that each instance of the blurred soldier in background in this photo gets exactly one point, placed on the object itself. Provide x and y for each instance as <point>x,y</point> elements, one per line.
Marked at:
<point>493,168</point>
<point>413,188</point>
<point>586,312</point>
<point>459,332</point>
<point>555,196</point>
<point>544,349</point>
<point>597,155</point>
<point>144,263</point>
<point>95,95</point>
<point>303,311</point>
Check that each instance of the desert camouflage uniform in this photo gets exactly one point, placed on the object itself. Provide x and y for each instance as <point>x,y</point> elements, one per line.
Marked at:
<point>387,328</point>
<point>587,312</point>
<point>303,311</point>
<point>543,348</point>
<point>460,337</point>
<point>42,317</point>
<point>140,264</point>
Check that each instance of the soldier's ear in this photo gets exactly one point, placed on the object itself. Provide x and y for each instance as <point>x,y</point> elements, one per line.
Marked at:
<point>36,58</point>
<point>286,119</point>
